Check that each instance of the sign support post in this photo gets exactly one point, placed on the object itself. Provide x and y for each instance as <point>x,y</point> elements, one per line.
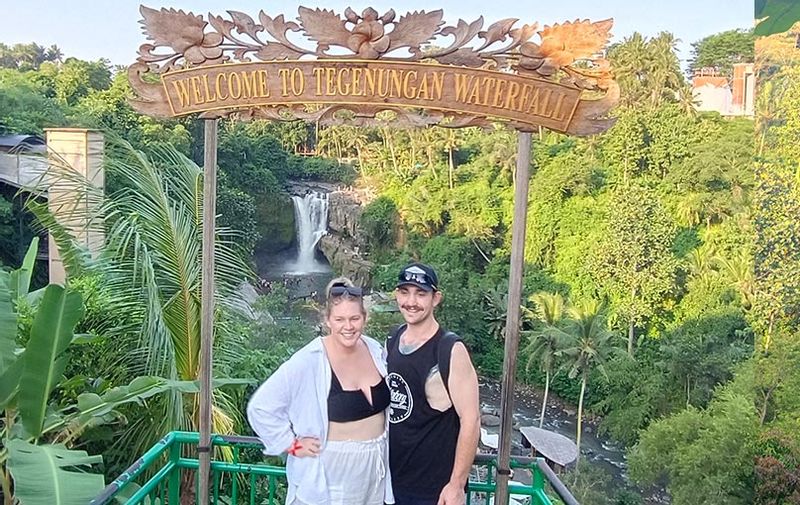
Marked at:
<point>207,304</point>
<point>513,314</point>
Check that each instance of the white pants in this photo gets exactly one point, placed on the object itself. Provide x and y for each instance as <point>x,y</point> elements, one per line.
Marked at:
<point>355,471</point>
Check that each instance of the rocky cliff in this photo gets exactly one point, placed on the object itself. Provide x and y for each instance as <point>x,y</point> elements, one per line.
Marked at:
<point>343,243</point>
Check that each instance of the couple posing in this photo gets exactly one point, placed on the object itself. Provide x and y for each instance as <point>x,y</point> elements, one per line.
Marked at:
<point>365,424</point>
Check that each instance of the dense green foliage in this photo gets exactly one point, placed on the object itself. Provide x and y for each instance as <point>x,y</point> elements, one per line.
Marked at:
<point>657,236</point>
<point>776,279</point>
<point>722,50</point>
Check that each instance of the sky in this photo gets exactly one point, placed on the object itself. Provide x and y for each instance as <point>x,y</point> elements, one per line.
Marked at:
<point>93,29</point>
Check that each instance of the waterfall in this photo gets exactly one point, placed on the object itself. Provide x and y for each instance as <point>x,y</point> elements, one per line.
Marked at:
<point>311,219</point>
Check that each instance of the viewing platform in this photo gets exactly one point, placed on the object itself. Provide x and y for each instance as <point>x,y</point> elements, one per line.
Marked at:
<point>166,474</point>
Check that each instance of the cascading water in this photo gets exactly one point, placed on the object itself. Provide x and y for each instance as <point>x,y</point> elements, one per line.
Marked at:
<point>311,218</point>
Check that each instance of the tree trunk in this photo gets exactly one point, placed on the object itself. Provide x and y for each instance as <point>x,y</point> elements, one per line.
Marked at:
<point>687,391</point>
<point>544,400</point>
<point>580,417</point>
<point>450,165</point>
<point>765,407</point>
<point>631,335</point>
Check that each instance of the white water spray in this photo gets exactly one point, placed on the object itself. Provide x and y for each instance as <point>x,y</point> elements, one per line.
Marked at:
<point>311,221</point>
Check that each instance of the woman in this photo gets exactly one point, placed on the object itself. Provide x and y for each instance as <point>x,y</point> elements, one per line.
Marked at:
<point>326,407</point>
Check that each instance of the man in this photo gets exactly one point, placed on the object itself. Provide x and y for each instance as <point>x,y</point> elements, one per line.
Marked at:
<point>434,415</point>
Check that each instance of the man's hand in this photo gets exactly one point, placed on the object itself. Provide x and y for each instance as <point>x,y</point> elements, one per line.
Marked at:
<point>452,494</point>
<point>307,447</point>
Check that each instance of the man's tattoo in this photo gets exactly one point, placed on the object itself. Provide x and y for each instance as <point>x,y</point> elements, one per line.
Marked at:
<point>408,348</point>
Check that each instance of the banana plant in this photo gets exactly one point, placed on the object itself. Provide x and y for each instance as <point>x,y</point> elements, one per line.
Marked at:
<point>33,472</point>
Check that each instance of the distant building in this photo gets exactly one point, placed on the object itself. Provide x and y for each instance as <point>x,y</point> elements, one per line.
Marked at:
<point>735,97</point>
<point>21,159</point>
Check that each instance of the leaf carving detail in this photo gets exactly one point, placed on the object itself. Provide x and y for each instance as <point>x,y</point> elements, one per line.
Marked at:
<point>324,26</point>
<point>172,28</point>
<point>244,23</point>
<point>497,31</point>
<point>415,29</point>
<point>562,44</point>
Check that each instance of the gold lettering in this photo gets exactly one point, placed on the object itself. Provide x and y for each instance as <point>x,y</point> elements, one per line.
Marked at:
<point>182,90</point>
<point>357,82</point>
<point>369,81</point>
<point>523,100</point>
<point>298,82</point>
<point>489,83</point>
<point>422,91</point>
<point>408,90</point>
<point>330,84</point>
<point>263,88</point>
<point>250,84</point>
<point>284,73</point>
<point>209,97</point>
<point>396,83</point>
<point>318,77</point>
<point>462,83</point>
<point>498,91</point>
<point>438,85</point>
<point>198,97</point>
<point>218,87</point>
<point>542,111</point>
<point>511,97</point>
<point>233,78</point>
<point>557,112</point>
<point>475,94</point>
<point>343,87</point>
<point>383,79</point>
<point>533,105</point>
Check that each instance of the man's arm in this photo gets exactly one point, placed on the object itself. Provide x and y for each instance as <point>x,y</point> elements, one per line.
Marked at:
<point>463,386</point>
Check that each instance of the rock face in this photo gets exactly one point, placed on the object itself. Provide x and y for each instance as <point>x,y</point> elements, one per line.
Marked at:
<point>344,212</point>
<point>343,243</point>
<point>275,216</point>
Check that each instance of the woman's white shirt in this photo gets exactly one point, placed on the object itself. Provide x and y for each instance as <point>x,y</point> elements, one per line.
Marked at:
<point>293,403</point>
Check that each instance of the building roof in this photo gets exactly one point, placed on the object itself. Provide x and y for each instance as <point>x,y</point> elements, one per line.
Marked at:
<point>551,445</point>
<point>22,143</point>
<point>718,81</point>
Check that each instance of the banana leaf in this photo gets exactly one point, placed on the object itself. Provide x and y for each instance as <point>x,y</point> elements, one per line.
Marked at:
<point>51,474</point>
<point>8,325</point>
<point>9,381</point>
<point>51,333</point>
<point>21,278</point>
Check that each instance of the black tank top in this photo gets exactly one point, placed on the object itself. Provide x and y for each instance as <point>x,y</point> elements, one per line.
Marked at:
<point>345,406</point>
<point>422,440</point>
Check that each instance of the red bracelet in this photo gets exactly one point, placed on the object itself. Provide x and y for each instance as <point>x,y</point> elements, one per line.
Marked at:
<point>296,446</point>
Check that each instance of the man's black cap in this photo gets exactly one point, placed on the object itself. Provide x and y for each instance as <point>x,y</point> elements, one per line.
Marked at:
<point>420,275</point>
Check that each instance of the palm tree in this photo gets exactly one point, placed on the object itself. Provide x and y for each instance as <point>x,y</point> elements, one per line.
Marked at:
<point>739,271</point>
<point>589,348</point>
<point>545,343</point>
<point>151,265</point>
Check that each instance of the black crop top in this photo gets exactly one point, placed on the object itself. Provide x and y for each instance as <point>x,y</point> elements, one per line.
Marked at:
<point>347,406</point>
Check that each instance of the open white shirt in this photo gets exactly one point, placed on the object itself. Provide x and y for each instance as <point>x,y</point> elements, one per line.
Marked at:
<point>293,403</point>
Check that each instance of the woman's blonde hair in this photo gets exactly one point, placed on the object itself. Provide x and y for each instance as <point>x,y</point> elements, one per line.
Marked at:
<point>331,300</point>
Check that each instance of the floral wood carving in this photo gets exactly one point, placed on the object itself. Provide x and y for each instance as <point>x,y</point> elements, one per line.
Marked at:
<point>567,53</point>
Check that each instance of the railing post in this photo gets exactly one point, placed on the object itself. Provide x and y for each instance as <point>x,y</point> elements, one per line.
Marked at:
<point>175,474</point>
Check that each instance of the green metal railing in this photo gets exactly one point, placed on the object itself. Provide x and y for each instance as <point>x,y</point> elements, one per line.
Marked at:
<point>167,472</point>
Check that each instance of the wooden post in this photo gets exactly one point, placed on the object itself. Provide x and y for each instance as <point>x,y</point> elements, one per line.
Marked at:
<point>513,314</point>
<point>207,304</point>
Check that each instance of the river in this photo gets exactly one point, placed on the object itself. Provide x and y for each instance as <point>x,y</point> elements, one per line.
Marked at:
<point>561,419</point>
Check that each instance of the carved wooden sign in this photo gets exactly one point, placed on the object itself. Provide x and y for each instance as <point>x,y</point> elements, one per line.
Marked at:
<point>365,64</point>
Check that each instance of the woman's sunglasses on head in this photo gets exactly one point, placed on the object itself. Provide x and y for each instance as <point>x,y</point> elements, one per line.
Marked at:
<point>341,290</point>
